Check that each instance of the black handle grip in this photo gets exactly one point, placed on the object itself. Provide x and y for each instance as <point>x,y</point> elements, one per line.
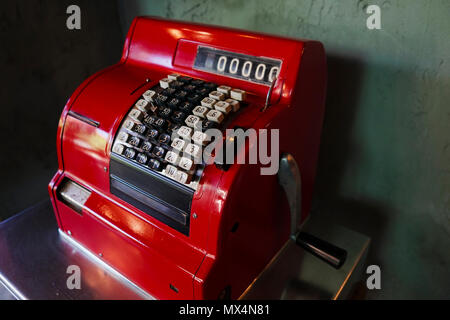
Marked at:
<point>326,251</point>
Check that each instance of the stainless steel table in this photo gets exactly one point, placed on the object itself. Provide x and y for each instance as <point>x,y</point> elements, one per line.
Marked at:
<point>34,258</point>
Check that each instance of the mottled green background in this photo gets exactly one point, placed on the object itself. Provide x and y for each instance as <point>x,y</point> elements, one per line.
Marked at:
<point>385,156</point>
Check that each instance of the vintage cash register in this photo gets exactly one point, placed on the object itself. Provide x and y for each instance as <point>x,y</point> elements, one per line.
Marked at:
<point>127,188</point>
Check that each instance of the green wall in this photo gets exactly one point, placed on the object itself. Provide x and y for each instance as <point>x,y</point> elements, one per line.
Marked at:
<point>385,156</point>
<point>41,65</point>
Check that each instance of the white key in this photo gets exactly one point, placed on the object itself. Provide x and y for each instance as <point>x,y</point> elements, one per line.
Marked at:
<point>178,144</point>
<point>183,177</point>
<point>171,171</point>
<point>129,124</point>
<point>136,115</point>
<point>123,136</point>
<point>143,105</point>
<point>164,83</point>
<point>224,89</point>
<point>186,164</point>
<point>208,102</point>
<point>200,138</point>
<point>215,115</point>
<point>172,157</point>
<point>149,95</point>
<point>193,150</point>
<point>118,148</point>
<point>223,106</point>
<point>238,94</point>
<point>173,76</point>
<point>217,95</point>
<point>234,104</point>
<point>185,132</point>
<point>200,111</point>
<point>192,121</point>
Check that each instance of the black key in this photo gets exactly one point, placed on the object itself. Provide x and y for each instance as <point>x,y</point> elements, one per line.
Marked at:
<point>194,98</point>
<point>152,134</point>
<point>159,152</point>
<point>134,141</point>
<point>150,120</point>
<point>197,82</point>
<point>147,146</point>
<point>161,100</point>
<point>164,138</point>
<point>155,165</point>
<point>158,89</point>
<point>178,116</point>
<point>186,107</point>
<point>140,128</point>
<point>141,158</point>
<point>181,95</point>
<point>208,125</point>
<point>130,153</point>
<point>202,91</point>
<point>210,85</point>
<point>189,88</point>
<point>169,92</point>
<point>173,127</point>
<point>164,113</point>
<point>161,123</point>
<point>184,79</point>
<point>176,84</point>
<point>173,103</point>
<point>151,107</point>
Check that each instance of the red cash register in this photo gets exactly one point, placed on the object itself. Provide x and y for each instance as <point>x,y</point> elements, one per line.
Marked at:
<point>128,189</point>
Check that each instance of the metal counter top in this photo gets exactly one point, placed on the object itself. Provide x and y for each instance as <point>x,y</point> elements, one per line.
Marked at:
<point>34,258</point>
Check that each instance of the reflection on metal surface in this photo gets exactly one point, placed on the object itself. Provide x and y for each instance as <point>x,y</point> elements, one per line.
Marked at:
<point>11,288</point>
<point>322,249</point>
<point>105,267</point>
<point>74,195</point>
<point>35,257</point>
<point>34,261</point>
<point>85,119</point>
<point>290,179</point>
<point>296,274</point>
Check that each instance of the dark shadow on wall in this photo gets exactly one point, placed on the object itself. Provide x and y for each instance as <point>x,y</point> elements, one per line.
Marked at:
<point>128,11</point>
<point>338,151</point>
<point>42,63</point>
<point>380,167</point>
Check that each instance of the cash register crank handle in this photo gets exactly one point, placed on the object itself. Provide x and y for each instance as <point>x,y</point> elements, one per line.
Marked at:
<point>290,179</point>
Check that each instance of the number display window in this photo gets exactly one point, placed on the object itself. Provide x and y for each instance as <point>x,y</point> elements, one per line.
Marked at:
<point>236,65</point>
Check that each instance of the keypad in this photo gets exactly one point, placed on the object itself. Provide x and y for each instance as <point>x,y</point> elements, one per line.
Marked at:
<point>165,129</point>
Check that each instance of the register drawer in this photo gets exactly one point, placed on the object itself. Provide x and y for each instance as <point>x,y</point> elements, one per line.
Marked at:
<point>152,193</point>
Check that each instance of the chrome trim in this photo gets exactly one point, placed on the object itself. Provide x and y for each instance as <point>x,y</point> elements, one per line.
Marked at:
<point>85,119</point>
<point>106,266</point>
<point>289,178</point>
<point>269,95</point>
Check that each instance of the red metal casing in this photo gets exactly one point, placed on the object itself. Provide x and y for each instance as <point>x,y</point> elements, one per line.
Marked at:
<point>213,257</point>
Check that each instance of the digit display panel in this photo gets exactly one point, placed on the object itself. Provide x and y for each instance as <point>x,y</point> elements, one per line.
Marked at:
<point>236,65</point>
